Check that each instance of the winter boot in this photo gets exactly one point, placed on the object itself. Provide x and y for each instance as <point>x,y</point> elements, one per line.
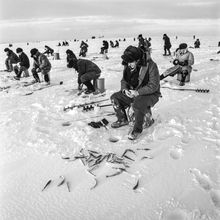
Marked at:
<point>135,134</point>
<point>119,123</point>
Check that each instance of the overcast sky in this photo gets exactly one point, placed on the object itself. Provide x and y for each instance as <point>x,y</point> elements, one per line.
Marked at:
<point>22,20</point>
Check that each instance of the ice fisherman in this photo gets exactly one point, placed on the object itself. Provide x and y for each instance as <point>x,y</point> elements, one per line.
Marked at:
<point>167,45</point>
<point>11,59</point>
<point>87,71</point>
<point>41,64</point>
<point>140,89</point>
<point>185,59</point>
<point>70,56</point>
<point>23,64</point>
<point>83,49</point>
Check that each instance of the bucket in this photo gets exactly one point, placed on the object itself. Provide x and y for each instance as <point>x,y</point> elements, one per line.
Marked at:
<point>101,85</point>
<point>56,56</point>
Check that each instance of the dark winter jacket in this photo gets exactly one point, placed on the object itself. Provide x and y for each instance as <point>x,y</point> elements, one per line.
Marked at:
<point>24,60</point>
<point>12,57</point>
<point>85,66</point>
<point>70,57</point>
<point>41,62</point>
<point>167,43</point>
<point>148,80</point>
<point>105,44</point>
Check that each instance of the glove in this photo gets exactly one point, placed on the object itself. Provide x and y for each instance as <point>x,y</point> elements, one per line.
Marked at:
<point>176,62</point>
<point>80,86</point>
<point>184,63</point>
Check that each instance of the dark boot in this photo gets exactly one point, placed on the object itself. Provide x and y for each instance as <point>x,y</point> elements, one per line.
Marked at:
<point>90,87</point>
<point>47,78</point>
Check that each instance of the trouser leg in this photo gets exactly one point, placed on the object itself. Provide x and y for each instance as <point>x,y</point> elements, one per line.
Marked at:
<point>35,75</point>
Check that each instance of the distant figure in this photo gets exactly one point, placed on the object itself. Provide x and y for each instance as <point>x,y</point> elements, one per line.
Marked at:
<point>197,43</point>
<point>104,48</point>
<point>24,64</point>
<point>185,60</point>
<point>10,45</point>
<point>70,57</point>
<point>134,39</point>
<point>147,44</point>
<point>11,59</point>
<point>219,44</point>
<point>59,44</point>
<point>176,37</point>
<point>48,50</point>
<point>87,71</point>
<point>111,43</point>
<point>124,39</point>
<point>66,43</point>
<point>41,64</point>
<point>194,37</point>
<point>116,44</point>
<point>167,45</point>
<point>141,42</point>
<point>84,48</point>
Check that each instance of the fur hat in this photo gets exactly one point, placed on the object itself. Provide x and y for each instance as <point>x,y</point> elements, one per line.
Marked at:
<point>182,46</point>
<point>19,50</point>
<point>131,54</point>
<point>6,49</point>
<point>33,51</point>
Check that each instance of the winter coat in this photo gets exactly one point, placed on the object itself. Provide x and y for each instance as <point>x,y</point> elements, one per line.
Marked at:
<point>148,80</point>
<point>185,58</point>
<point>12,57</point>
<point>86,66</point>
<point>70,56</point>
<point>41,62</point>
<point>167,43</point>
<point>24,60</point>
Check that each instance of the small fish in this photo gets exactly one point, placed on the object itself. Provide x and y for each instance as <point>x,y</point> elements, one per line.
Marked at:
<point>146,158</point>
<point>114,174</point>
<point>68,185</point>
<point>143,149</point>
<point>96,183</point>
<point>128,158</point>
<point>62,181</point>
<point>136,185</point>
<point>128,150</point>
<point>65,158</point>
<point>47,184</point>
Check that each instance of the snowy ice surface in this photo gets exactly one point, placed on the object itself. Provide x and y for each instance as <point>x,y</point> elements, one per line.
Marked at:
<point>178,181</point>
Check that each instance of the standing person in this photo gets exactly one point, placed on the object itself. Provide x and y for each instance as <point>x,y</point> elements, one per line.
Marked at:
<point>167,45</point>
<point>197,43</point>
<point>70,57</point>
<point>185,60</point>
<point>141,42</point>
<point>87,71</point>
<point>11,59</point>
<point>41,64</point>
<point>84,48</point>
<point>24,64</point>
<point>116,44</point>
<point>140,88</point>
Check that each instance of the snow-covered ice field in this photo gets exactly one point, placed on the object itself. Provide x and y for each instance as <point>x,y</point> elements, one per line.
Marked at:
<point>180,179</point>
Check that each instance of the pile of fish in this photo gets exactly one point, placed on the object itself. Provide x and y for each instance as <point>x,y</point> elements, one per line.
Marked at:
<point>92,160</point>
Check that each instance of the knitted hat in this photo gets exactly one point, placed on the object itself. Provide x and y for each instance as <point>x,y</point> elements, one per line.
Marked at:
<point>33,51</point>
<point>19,50</point>
<point>182,46</point>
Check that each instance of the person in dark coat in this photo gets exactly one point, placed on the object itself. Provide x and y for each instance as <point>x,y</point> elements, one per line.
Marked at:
<point>11,59</point>
<point>84,48</point>
<point>104,48</point>
<point>197,43</point>
<point>48,50</point>
<point>167,45</point>
<point>140,89</point>
<point>87,71</point>
<point>41,64</point>
<point>116,44</point>
<point>23,63</point>
<point>70,56</point>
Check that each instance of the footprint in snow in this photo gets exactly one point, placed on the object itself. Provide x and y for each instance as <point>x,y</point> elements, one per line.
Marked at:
<point>177,214</point>
<point>176,153</point>
<point>215,197</point>
<point>202,179</point>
